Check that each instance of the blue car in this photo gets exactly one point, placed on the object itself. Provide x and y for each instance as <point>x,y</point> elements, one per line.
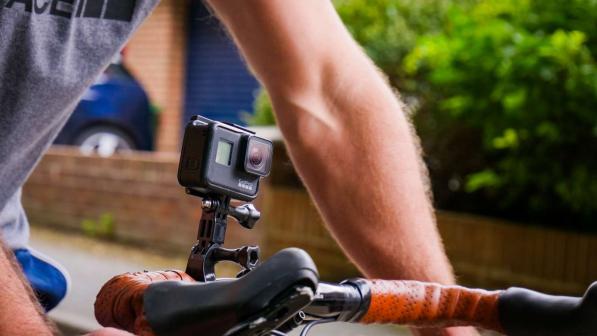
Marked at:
<point>113,116</point>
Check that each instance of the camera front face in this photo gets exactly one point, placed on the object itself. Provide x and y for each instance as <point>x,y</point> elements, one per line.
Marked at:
<point>226,159</point>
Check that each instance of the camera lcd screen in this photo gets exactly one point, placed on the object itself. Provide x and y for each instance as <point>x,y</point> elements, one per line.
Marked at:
<point>224,153</point>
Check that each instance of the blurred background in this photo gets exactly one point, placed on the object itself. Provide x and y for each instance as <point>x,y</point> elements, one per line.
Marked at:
<point>502,93</point>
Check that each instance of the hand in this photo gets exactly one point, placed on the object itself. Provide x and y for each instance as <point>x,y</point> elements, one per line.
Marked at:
<point>109,332</point>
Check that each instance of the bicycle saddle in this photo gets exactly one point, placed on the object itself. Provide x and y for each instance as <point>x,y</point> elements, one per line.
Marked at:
<point>263,299</point>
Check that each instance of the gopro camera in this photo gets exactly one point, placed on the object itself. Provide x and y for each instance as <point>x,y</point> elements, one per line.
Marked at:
<point>223,158</point>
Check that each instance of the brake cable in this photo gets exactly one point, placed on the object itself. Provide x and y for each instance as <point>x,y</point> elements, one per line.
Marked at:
<point>311,324</point>
<point>276,333</point>
<point>306,329</point>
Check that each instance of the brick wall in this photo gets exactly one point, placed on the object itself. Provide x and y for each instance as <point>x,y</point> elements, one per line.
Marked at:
<point>156,56</point>
<point>139,192</point>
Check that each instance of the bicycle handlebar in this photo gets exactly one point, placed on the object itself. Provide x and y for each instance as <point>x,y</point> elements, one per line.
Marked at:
<point>119,304</point>
<point>422,304</point>
<point>284,285</point>
<point>528,313</point>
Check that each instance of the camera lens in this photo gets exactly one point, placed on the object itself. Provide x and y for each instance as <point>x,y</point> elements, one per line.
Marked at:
<point>258,159</point>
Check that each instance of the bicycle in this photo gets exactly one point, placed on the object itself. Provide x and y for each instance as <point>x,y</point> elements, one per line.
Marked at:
<point>284,292</point>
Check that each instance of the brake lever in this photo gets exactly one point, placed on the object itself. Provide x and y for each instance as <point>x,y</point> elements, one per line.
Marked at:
<point>282,310</point>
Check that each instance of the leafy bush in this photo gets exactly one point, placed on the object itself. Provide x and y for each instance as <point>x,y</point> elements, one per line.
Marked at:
<point>104,227</point>
<point>506,99</point>
<point>388,30</point>
<point>521,77</point>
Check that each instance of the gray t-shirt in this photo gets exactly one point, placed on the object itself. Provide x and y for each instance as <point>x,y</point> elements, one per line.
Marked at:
<point>50,52</point>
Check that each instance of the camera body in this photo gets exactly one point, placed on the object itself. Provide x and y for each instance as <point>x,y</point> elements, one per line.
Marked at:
<point>222,158</point>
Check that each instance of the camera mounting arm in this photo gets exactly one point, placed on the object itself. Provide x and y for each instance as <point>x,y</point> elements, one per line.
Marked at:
<point>208,250</point>
<point>220,162</point>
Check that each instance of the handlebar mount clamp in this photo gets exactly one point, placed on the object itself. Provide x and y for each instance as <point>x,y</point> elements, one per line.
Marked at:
<point>208,250</point>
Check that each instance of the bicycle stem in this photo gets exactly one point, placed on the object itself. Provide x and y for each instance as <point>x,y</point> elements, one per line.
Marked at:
<point>345,302</point>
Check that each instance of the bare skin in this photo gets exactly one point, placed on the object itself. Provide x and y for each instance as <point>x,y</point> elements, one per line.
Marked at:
<point>347,135</point>
<point>20,314</point>
<point>109,332</point>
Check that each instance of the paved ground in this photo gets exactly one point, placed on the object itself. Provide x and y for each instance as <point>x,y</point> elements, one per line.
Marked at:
<point>91,263</point>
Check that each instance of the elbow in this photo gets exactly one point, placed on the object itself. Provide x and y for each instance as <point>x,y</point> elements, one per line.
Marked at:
<point>304,118</point>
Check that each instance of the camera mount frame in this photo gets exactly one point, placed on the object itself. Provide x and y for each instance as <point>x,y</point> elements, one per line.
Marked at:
<point>208,250</point>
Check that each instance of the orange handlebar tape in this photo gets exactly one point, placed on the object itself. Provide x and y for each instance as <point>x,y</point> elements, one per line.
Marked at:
<point>420,304</point>
<point>119,304</point>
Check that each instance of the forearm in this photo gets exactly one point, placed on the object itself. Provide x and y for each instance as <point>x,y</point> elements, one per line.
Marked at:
<point>347,135</point>
<point>20,314</point>
<point>346,132</point>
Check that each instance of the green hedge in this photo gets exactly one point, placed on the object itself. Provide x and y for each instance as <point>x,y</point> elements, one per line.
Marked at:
<point>505,94</point>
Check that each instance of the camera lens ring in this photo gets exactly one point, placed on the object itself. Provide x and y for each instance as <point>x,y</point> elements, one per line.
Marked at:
<point>259,154</point>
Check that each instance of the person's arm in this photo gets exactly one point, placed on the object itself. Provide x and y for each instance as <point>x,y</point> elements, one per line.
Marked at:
<point>346,132</point>
<point>20,313</point>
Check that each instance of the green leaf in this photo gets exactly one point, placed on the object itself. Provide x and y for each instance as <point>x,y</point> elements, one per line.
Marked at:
<point>481,180</point>
<point>509,139</point>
